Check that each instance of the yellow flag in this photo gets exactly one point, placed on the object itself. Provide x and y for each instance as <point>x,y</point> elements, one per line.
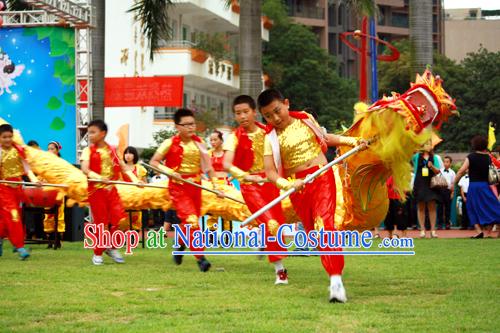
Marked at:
<point>491,136</point>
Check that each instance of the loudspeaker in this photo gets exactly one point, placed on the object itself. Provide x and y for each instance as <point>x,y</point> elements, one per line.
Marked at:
<point>74,218</point>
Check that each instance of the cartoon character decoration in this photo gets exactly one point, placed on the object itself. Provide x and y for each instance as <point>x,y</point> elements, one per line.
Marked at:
<point>8,72</point>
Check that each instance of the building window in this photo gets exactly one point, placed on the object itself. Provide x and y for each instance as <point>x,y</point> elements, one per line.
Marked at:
<point>434,24</point>
<point>332,15</point>
<point>164,113</point>
<point>185,32</point>
<point>382,15</point>
<point>332,43</point>
<point>340,15</point>
<point>400,20</point>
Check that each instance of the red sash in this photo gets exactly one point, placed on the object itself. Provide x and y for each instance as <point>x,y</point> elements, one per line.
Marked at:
<point>95,163</point>
<point>244,155</point>
<point>173,158</point>
<point>20,150</point>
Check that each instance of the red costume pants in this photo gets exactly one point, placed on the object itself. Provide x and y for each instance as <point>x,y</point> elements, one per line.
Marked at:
<point>315,205</point>
<point>257,196</point>
<point>107,208</point>
<point>187,203</point>
<point>11,225</point>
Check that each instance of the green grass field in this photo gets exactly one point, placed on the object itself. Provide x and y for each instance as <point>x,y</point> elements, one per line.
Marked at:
<point>450,285</point>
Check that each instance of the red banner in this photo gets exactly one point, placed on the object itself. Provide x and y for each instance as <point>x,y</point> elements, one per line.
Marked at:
<point>143,91</point>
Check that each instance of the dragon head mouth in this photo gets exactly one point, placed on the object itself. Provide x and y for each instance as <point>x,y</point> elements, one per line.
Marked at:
<point>426,103</point>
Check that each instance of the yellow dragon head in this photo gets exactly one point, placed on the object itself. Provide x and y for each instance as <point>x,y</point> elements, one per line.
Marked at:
<point>401,123</point>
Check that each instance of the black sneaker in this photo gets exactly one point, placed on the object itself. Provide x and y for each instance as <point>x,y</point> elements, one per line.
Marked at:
<point>178,258</point>
<point>204,264</point>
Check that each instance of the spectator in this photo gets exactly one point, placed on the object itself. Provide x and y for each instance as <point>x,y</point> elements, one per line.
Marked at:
<point>49,223</point>
<point>222,178</point>
<point>131,160</point>
<point>396,213</point>
<point>482,205</point>
<point>464,187</point>
<point>158,178</point>
<point>33,144</point>
<point>158,214</point>
<point>171,218</point>
<point>447,193</point>
<point>425,166</point>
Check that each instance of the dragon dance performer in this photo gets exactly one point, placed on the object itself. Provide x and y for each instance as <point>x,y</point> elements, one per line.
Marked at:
<point>217,161</point>
<point>131,159</point>
<point>185,157</point>
<point>100,161</point>
<point>295,147</point>
<point>13,166</point>
<point>49,222</point>
<point>244,159</point>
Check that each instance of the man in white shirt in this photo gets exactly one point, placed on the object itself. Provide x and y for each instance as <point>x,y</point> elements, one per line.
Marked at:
<point>158,214</point>
<point>158,177</point>
<point>464,187</point>
<point>447,193</point>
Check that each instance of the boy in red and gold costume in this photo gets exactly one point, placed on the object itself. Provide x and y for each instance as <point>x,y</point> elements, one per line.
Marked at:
<point>185,157</point>
<point>244,159</point>
<point>295,147</point>
<point>100,161</point>
<point>13,166</point>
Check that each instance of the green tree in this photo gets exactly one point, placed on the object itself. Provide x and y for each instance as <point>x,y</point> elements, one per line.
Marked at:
<point>478,101</point>
<point>159,137</point>
<point>307,75</point>
<point>473,83</point>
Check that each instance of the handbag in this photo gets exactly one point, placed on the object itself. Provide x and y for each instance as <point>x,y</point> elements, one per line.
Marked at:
<point>438,181</point>
<point>493,175</point>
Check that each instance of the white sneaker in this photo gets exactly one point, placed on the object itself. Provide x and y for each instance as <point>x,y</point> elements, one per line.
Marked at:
<point>281,277</point>
<point>337,293</point>
<point>434,234</point>
<point>97,260</point>
<point>115,255</point>
<point>422,233</point>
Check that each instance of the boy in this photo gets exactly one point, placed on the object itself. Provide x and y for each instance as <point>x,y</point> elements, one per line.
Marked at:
<point>13,166</point>
<point>186,157</point>
<point>447,193</point>
<point>244,159</point>
<point>294,148</point>
<point>100,161</point>
<point>464,187</point>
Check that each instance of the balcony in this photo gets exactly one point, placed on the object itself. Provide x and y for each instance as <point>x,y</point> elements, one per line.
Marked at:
<point>214,15</point>
<point>197,67</point>
<point>307,12</point>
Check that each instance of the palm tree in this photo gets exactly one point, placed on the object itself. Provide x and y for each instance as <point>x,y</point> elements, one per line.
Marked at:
<point>250,48</point>
<point>420,34</point>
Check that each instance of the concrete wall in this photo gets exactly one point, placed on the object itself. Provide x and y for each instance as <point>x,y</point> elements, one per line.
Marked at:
<point>464,36</point>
